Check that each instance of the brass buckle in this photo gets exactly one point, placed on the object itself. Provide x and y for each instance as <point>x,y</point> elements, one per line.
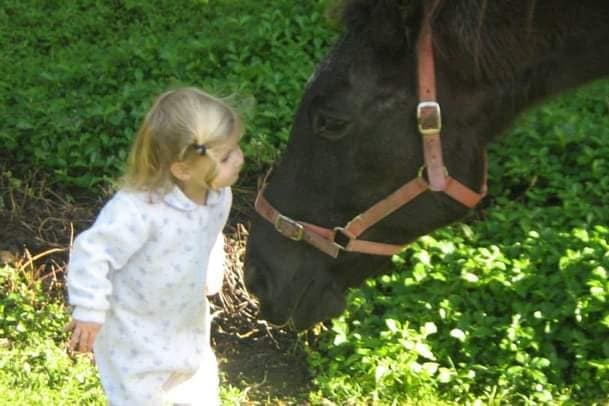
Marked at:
<point>289,228</point>
<point>344,233</point>
<point>429,118</point>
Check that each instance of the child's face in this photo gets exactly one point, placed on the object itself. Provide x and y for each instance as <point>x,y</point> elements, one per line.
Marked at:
<point>230,162</point>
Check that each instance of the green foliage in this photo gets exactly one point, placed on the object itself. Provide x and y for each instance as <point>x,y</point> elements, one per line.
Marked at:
<point>34,366</point>
<point>510,309</point>
<point>75,92</point>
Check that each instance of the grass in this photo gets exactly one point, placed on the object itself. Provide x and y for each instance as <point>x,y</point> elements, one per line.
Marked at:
<point>35,368</point>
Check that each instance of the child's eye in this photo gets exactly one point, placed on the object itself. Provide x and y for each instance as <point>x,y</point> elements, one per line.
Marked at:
<point>225,158</point>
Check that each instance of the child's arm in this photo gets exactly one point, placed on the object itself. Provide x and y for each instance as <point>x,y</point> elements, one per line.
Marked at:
<point>216,267</point>
<point>118,232</point>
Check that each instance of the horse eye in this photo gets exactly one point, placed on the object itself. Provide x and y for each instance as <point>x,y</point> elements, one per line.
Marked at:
<point>333,124</point>
<point>330,127</point>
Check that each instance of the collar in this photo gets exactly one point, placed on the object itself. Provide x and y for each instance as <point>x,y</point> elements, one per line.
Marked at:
<point>178,200</point>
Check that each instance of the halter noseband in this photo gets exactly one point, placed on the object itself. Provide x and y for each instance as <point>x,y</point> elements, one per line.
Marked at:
<point>332,241</point>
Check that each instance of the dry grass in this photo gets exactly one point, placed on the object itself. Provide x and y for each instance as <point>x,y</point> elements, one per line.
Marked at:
<point>38,225</point>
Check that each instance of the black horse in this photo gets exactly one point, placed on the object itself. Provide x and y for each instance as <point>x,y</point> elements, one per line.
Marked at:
<point>355,140</point>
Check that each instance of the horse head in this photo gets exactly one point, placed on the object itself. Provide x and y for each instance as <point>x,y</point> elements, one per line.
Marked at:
<point>360,135</point>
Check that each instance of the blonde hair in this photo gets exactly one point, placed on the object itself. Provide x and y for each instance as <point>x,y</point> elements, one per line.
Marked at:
<point>179,122</point>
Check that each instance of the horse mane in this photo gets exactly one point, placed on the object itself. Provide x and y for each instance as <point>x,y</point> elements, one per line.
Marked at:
<point>458,26</point>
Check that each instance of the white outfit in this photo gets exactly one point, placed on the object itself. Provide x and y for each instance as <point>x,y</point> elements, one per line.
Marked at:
<point>142,270</point>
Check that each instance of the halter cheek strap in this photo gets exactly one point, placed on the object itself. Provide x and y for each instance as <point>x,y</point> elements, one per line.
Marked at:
<point>429,118</point>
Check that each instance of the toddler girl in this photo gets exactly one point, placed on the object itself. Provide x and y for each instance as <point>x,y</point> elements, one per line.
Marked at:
<point>136,278</point>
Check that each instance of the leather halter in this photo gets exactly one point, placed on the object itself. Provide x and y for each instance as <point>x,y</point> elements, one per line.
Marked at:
<point>429,125</point>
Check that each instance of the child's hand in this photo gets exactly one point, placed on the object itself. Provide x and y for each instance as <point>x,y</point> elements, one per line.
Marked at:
<point>83,335</point>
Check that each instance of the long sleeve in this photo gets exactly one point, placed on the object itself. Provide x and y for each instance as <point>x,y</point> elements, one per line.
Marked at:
<point>118,232</point>
<point>216,267</point>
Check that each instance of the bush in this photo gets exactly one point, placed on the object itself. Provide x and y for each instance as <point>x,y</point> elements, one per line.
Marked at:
<point>84,86</point>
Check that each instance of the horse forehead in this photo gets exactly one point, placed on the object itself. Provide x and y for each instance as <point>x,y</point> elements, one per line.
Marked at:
<point>349,54</point>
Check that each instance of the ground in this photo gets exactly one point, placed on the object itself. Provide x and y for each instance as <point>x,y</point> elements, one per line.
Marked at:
<point>267,365</point>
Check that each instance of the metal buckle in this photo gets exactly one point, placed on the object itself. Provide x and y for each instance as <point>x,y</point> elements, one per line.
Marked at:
<point>289,228</point>
<point>422,170</point>
<point>429,117</point>
<point>344,233</point>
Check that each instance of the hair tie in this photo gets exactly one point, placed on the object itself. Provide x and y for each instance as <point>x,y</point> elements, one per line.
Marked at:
<point>200,148</point>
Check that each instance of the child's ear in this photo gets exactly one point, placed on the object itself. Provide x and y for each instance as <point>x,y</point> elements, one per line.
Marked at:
<point>180,171</point>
